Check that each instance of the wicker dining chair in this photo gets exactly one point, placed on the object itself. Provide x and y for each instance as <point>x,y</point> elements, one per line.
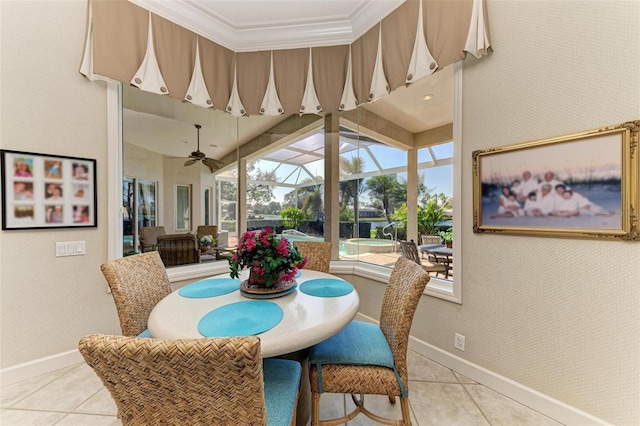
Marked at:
<point>219,381</point>
<point>366,358</point>
<point>410,251</point>
<point>137,284</point>
<point>318,254</point>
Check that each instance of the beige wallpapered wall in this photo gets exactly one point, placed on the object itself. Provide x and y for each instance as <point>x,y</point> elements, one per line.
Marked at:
<point>561,316</point>
<point>48,303</point>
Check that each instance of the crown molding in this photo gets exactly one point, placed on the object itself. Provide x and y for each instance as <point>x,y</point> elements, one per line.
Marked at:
<point>299,33</point>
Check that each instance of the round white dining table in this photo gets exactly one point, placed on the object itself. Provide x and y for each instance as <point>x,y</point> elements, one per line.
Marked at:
<point>306,319</point>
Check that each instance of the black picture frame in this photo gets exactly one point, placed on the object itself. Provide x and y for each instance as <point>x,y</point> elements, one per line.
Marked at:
<point>44,191</point>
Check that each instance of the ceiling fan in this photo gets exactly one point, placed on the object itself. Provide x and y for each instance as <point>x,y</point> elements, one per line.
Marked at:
<point>200,156</point>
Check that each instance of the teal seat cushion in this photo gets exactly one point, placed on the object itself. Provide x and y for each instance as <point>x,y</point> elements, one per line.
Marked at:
<point>359,343</point>
<point>281,381</point>
<point>145,334</point>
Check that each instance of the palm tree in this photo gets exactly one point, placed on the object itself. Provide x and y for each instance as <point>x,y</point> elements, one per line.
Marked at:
<point>384,189</point>
<point>296,197</point>
<point>352,188</point>
<point>312,205</point>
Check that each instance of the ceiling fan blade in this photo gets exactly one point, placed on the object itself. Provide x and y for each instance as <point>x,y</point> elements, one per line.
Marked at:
<point>192,161</point>
<point>211,163</point>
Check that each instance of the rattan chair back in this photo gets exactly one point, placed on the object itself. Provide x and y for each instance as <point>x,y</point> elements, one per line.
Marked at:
<point>406,284</point>
<point>174,382</point>
<point>318,254</point>
<point>137,284</point>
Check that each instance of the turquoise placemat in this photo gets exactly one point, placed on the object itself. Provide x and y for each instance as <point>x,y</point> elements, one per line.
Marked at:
<point>298,273</point>
<point>326,287</point>
<point>210,287</point>
<point>241,319</point>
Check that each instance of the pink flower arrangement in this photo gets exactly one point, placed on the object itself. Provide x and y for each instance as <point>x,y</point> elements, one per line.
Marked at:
<point>268,255</point>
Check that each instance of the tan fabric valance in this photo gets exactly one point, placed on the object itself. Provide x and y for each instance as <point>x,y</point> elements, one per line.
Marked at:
<point>129,44</point>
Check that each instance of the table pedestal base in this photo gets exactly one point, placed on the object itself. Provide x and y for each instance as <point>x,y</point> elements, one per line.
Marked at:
<point>303,411</point>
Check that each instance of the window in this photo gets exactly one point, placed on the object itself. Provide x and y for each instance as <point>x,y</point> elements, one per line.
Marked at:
<point>139,210</point>
<point>206,206</point>
<point>393,150</point>
<point>183,208</point>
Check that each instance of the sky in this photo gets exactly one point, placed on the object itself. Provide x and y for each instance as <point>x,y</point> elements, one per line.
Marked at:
<point>440,179</point>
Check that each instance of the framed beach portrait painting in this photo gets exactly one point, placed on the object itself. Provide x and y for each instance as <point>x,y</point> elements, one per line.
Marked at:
<point>578,185</point>
<point>41,191</point>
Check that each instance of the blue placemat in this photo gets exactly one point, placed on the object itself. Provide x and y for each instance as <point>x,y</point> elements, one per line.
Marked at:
<point>210,287</point>
<point>241,319</point>
<point>298,273</point>
<point>326,287</point>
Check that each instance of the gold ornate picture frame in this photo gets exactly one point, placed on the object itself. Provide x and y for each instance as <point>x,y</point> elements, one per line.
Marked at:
<point>582,185</point>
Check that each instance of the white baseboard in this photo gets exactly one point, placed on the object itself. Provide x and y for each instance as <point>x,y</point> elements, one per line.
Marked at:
<point>533,399</point>
<point>36,367</point>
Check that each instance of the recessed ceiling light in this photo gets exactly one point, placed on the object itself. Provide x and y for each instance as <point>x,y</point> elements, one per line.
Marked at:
<point>428,97</point>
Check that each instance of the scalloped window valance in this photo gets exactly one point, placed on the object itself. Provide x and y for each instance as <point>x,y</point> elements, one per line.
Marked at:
<point>127,43</point>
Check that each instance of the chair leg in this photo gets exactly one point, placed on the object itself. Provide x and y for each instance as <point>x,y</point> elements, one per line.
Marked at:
<point>315,409</point>
<point>406,416</point>
<point>392,399</point>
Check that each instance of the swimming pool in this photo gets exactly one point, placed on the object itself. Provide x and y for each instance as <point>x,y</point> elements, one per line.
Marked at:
<point>350,247</point>
<point>355,246</point>
<point>293,238</point>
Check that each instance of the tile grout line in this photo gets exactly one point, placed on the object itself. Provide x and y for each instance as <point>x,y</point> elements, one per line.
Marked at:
<point>464,388</point>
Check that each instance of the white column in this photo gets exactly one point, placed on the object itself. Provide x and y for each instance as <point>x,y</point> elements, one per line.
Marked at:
<point>412,195</point>
<point>241,211</point>
<point>332,182</point>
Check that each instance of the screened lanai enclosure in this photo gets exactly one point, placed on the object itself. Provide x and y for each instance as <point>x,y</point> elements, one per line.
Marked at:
<point>362,179</point>
<point>285,189</point>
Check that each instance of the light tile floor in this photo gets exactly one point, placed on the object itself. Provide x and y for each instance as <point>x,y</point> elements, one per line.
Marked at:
<point>439,396</point>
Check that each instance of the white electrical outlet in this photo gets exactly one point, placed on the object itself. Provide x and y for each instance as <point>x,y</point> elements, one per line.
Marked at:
<point>458,342</point>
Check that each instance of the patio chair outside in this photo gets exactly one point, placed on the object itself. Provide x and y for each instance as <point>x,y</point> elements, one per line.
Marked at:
<point>137,284</point>
<point>317,252</point>
<point>212,230</point>
<point>410,251</point>
<point>340,365</point>
<point>178,249</point>
<point>149,237</point>
<point>219,381</point>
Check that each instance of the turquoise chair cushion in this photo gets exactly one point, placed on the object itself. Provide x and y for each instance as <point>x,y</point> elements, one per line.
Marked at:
<point>281,381</point>
<point>359,343</point>
<point>145,334</point>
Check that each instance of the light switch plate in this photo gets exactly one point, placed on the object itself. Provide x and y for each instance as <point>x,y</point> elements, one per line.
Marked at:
<point>70,248</point>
